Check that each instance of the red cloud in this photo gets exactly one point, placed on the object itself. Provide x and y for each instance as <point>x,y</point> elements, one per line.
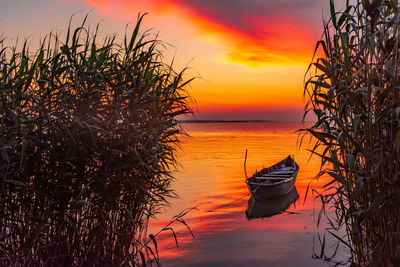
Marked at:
<point>255,32</point>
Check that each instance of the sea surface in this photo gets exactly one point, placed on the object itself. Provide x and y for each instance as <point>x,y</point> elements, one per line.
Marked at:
<point>211,178</point>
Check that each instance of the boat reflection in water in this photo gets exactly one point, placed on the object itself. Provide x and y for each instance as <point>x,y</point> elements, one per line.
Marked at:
<point>271,207</point>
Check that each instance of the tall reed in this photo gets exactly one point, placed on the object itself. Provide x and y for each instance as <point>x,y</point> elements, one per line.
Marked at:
<point>354,91</point>
<point>87,138</point>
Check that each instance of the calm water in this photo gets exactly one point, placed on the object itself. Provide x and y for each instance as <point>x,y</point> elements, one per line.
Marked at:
<point>211,178</point>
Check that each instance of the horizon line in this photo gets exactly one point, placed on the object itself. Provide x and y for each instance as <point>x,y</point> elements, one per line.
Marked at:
<point>231,121</point>
<point>220,121</point>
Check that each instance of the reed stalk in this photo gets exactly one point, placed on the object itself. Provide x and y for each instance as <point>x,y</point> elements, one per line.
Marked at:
<point>353,90</point>
<point>87,139</point>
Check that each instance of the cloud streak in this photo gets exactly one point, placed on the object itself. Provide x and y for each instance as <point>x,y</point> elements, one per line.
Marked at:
<point>253,32</point>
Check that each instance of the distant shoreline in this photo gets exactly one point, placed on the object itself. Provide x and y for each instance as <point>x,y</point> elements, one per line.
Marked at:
<point>221,121</point>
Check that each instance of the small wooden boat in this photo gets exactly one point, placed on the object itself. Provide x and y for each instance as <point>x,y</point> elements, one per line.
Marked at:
<point>273,181</point>
<point>271,207</point>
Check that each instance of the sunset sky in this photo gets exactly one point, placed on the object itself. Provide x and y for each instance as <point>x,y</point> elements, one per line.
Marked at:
<point>249,55</point>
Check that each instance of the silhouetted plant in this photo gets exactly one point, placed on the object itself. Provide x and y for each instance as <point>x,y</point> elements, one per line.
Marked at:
<point>87,138</point>
<point>354,93</point>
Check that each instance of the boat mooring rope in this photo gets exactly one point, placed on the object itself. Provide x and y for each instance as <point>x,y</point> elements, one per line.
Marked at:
<point>227,204</point>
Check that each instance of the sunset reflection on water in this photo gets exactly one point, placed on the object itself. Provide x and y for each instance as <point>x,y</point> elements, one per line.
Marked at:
<point>211,178</point>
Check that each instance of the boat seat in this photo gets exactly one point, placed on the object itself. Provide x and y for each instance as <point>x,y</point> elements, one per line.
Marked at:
<point>278,175</point>
<point>281,172</point>
<point>286,169</point>
<point>271,178</point>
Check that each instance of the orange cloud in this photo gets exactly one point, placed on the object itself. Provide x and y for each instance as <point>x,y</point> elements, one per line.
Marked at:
<point>253,32</point>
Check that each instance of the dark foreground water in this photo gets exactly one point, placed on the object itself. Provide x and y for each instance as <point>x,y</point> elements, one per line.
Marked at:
<point>211,178</point>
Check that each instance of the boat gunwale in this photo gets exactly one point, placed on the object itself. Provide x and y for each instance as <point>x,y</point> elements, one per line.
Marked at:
<point>252,181</point>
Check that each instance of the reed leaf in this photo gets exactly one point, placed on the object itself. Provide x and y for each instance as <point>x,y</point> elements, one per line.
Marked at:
<point>354,93</point>
<point>88,137</point>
